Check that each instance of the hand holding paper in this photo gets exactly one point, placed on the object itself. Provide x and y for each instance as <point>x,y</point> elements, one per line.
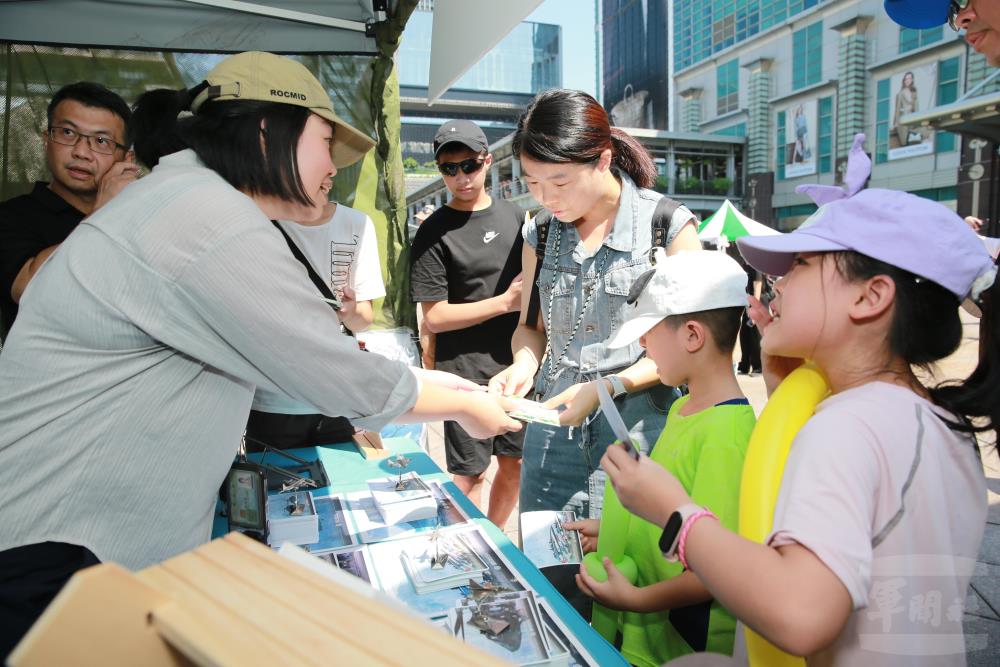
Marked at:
<point>532,411</point>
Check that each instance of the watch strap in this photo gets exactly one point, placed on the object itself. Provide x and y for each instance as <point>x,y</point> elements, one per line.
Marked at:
<point>672,531</point>
<point>617,386</point>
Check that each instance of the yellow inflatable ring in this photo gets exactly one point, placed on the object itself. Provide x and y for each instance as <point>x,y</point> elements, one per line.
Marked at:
<point>788,409</point>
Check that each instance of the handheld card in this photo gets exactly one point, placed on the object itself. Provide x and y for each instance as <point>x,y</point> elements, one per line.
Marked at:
<point>614,418</point>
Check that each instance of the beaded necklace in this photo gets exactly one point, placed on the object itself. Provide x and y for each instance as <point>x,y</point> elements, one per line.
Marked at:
<point>555,361</point>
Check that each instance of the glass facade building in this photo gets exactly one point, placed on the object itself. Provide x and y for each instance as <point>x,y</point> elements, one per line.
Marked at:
<point>492,93</point>
<point>527,60</point>
<point>635,68</point>
<point>705,27</point>
<point>800,78</point>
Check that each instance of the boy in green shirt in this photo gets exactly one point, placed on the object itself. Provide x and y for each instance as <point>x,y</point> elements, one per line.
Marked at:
<point>687,316</point>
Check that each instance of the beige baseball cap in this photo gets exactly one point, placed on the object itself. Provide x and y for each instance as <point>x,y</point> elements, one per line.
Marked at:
<point>266,77</point>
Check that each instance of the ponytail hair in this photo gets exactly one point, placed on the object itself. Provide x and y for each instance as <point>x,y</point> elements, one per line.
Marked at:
<point>979,394</point>
<point>253,145</point>
<point>154,129</point>
<point>631,157</point>
<point>561,126</point>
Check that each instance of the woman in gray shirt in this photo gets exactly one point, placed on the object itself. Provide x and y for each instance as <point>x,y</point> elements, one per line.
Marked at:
<point>129,373</point>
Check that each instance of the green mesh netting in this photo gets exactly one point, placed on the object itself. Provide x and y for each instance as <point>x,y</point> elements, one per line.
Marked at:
<point>364,90</point>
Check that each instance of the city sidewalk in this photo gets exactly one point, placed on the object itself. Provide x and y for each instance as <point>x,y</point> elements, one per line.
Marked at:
<point>982,610</point>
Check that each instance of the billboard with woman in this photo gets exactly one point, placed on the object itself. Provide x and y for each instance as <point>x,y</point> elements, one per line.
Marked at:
<point>913,90</point>
<point>800,139</point>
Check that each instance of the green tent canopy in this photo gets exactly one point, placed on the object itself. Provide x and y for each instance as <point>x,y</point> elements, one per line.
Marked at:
<point>728,222</point>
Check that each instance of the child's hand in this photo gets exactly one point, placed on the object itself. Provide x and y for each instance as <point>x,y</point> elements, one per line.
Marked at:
<point>644,487</point>
<point>588,532</point>
<point>758,313</point>
<point>775,368</point>
<point>615,593</point>
<point>348,304</point>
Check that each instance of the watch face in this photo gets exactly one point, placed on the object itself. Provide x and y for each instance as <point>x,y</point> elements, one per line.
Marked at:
<point>670,532</point>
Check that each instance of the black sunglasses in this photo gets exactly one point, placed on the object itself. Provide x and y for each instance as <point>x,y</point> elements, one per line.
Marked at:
<point>470,166</point>
<point>954,8</point>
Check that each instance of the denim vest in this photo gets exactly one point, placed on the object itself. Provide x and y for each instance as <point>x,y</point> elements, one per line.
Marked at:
<point>569,274</point>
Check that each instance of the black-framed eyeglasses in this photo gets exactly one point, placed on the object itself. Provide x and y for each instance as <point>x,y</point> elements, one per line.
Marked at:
<point>953,9</point>
<point>470,166</point>
<point>99,143</point>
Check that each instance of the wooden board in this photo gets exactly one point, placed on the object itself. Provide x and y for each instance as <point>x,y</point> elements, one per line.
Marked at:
<point>101,617</point>
<point>230,602</point>
<point>369,443</point>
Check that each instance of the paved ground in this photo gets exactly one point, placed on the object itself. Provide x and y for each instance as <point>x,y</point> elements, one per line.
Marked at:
<point>982,618</point>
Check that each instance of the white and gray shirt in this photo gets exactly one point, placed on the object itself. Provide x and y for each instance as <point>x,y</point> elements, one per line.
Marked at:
<point>128,376</point>
<point>894,503</point>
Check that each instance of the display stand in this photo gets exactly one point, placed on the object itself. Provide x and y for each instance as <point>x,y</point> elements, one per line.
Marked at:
<point>229,602</point>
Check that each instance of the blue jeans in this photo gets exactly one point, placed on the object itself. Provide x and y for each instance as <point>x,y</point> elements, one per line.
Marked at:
<point>560,469</point>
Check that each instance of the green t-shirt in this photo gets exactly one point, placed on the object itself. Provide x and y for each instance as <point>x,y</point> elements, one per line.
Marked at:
<point>705,452</point>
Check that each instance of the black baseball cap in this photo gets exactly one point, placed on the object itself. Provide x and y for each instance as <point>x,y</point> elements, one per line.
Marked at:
<point>463,132</point>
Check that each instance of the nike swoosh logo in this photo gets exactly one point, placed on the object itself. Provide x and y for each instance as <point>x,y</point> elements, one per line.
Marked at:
<point>489,236</point>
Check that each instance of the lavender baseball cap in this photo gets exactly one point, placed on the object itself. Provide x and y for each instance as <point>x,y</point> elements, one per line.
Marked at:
<point>898,228</point>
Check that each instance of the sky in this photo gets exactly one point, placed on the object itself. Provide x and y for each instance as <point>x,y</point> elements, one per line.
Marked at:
<point>578,40</point>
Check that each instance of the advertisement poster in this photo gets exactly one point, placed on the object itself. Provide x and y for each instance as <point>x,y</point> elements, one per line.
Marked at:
<point>912,90</point>
<point>800,139</point>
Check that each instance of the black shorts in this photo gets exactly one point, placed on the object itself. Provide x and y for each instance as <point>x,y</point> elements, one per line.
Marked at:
<point>470,456</point>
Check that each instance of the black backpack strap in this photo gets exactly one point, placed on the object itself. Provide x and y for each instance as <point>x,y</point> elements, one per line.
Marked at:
<point>663,229</point>
<point>324,289</point>
<point>664,213</point>
<point>542,221</point>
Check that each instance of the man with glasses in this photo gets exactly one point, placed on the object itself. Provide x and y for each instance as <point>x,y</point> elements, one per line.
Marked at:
<point>86,154</point>
<point>465,271</point>
<point>980,19</point>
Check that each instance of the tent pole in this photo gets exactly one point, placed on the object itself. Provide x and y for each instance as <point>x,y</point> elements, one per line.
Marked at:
<point>9,64</point>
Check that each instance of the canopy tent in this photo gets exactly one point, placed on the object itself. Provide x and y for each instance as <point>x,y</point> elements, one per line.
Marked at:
<point>452,18</point>
<point>730,224</point>
<point>136,45</point>
<point>220,26</point>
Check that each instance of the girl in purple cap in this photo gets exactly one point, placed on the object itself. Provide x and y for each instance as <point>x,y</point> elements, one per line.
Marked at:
<point>883,501</point>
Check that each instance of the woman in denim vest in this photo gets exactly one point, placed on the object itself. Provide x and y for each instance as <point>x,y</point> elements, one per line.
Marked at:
<point>594,179</point>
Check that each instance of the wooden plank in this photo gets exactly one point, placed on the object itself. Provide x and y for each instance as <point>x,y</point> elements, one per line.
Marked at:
<point>101,617</point>
<point>369,443</point>
<point>393,637</point>
<point>205,631</point>
<point>232,602</point>
<point>327,627</point>
<point>265,608</point>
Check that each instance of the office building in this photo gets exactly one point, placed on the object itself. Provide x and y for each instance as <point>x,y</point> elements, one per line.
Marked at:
<point>799,78</point>
<point>634,70</point>
<point>493,92</point>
